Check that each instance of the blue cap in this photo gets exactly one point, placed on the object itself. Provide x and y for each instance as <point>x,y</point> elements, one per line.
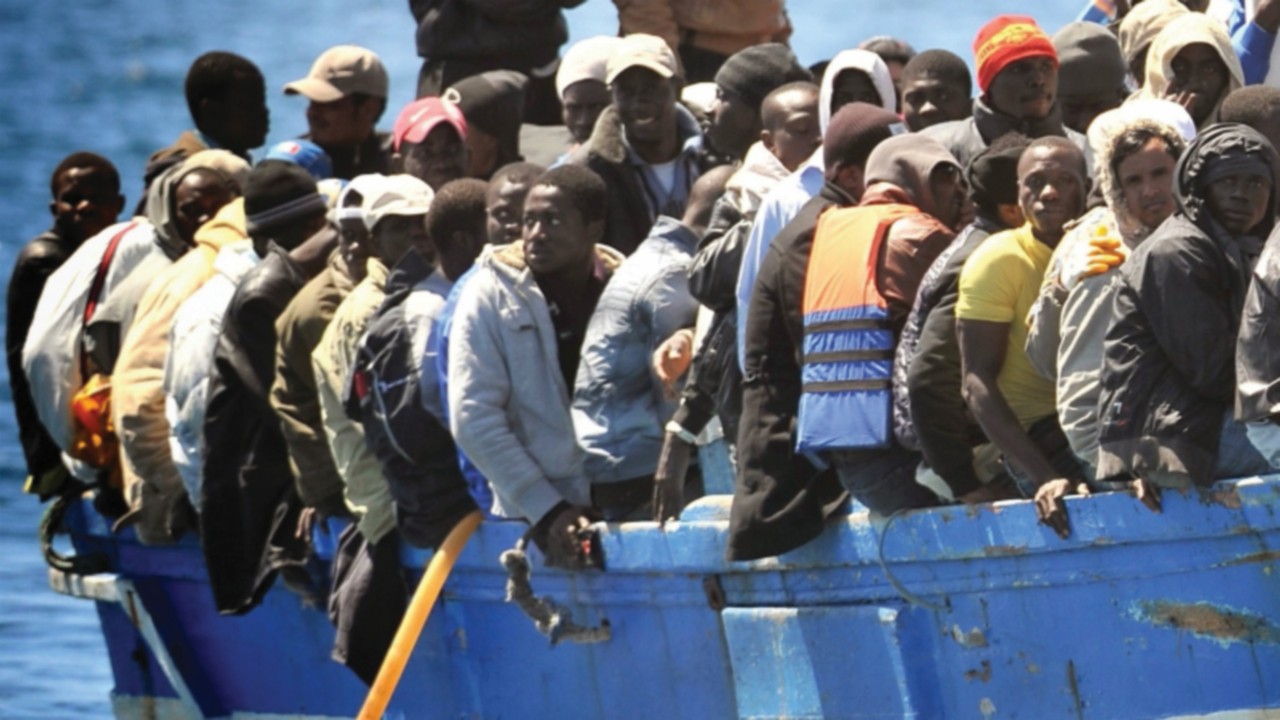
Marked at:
<point>304,153</point>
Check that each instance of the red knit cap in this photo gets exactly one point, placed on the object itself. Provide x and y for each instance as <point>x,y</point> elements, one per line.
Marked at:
<point>1007,39</point>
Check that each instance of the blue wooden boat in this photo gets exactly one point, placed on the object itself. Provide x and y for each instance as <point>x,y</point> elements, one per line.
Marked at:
<point>947,613</point>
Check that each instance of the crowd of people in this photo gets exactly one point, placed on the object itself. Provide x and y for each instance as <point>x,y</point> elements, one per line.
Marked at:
<point>859,284</point>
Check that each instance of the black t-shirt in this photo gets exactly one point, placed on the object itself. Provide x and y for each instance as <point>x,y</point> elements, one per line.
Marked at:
<point>570,317</point>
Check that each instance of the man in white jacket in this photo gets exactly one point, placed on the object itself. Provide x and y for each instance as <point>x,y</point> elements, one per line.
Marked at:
<point>515,344</point>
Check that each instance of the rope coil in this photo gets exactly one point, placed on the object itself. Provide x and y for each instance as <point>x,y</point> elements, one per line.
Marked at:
<point>551,619</point>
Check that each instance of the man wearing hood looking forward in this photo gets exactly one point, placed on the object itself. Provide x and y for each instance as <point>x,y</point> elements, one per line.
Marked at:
<point>1137,147</point>
<point>1192,63</point>
<point>1169,367</point>
<point>1018,77</point>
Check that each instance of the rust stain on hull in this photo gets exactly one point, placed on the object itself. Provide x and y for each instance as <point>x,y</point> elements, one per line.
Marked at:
<point>1212,622</point>
<point>1003,551</point>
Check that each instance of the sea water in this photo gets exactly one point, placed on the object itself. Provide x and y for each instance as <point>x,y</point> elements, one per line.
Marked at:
<point>107,76</point>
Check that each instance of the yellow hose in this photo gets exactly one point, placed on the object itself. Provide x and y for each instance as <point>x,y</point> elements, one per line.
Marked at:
<point>415,618</point>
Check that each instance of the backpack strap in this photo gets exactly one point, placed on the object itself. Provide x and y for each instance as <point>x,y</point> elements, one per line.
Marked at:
<point>95,290</point>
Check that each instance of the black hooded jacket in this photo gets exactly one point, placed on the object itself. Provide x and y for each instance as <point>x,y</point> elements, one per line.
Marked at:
<point>1168,374</point>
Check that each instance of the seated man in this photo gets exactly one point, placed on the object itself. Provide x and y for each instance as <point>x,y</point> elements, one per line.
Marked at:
<point>402,416</point>
<point>1018,77</point>
<point>394,210</point>
<point>936,88</point>
<point>515,344</point>
<point>646,146</point>
<point>781,498</point>
<point>620,409</point>
<point>1013,403</point>
<point>1091,74</point>
<point>1169,367</point>
<point>248,500</point>
<point>865,268</point>
<point>927,379</point>
<point>86,200</point>
<point>1136,152</point>
<point>347,90</point>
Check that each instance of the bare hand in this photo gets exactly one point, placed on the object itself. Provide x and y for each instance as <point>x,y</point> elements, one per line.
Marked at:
<point>672,358</point>
<point>1050,505</point>
<point>1267,16</point>
<point>1148,493</point>
<point>668,479</point>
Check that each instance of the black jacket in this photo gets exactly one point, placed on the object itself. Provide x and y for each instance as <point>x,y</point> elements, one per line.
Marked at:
<point>1168,372</point>
<point>931,372</point>
<point>629,216</point>
<point>34,265</point>
<point>419,459</point>
<point>966,138</point>
<point>780,499</point>
<point>515,34</point>
<point>250,505</point>
<point>371,156</point>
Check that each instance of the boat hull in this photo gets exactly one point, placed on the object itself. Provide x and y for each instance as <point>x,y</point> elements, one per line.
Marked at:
<point>950,612</point>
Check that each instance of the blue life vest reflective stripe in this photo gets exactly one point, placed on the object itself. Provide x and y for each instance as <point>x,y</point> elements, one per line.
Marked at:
<point>847,353</point>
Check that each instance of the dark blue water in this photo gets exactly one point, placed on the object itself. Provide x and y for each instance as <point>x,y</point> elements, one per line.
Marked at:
<point>107,76</point>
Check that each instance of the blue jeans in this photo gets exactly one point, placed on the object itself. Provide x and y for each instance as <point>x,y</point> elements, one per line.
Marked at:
<point>883,480</point>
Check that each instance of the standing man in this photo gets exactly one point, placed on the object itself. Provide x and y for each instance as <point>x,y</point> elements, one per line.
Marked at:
<point>646,147</point>
<point>347,90</point>
<point>1018,76</point>
<point>86,200</point>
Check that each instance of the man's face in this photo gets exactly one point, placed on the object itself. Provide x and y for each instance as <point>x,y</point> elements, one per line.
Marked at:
<point>1078,111</point>
<point>950,197</point>
<point>1199,80</point>
<point>582,103</point>
<point>395,235</point>
<point>556,238</point>
<point>1051,190</point>
<point>853,86</point>
<point>353,243</point>
<point>439,159</point>
<point>1025,89</point>
<point>341,123</point>
<point>1146,183</point>
<point>505,212</point>
<point>796,135</point>
<point>929,100</point>
<point>735,125</point>
<point>240,120</point>
<point>196,200</point>
<point>84,203</point>
<point>1239,202</point>
<point>646,103</point>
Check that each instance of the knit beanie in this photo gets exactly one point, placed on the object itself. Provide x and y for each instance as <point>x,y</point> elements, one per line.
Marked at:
<point>1008,39</point>
<point>278,192</point>
<point>854,132</point>
<point>1089,60</point>
<point>993,173</point>
<point>754,72</point>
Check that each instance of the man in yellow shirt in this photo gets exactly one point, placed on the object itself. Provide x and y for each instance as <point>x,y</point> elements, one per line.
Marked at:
<point>1011,401</point>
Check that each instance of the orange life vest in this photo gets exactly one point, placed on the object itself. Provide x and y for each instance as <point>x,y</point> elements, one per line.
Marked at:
<point>847,355</point>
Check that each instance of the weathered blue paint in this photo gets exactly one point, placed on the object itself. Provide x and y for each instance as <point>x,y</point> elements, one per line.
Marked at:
<point>983,613</point>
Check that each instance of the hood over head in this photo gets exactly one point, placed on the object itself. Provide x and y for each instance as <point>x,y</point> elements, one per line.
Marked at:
<point>1165,118</point>
<point>1185,30</point>
<point>160,195</point>
<point>1144,23</point>
<point>865,62</point>
<point>1222,147</point>
<point>908,161</point>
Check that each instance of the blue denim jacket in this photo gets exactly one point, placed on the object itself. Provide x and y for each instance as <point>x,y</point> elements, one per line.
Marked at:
<point>619,406</point>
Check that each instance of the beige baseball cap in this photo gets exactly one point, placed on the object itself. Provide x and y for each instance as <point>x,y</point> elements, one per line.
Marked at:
<point>641,50</point>
<point>340,71</point>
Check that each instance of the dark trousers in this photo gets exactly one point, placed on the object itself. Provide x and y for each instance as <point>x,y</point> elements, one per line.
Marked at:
<point>883,480</point>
